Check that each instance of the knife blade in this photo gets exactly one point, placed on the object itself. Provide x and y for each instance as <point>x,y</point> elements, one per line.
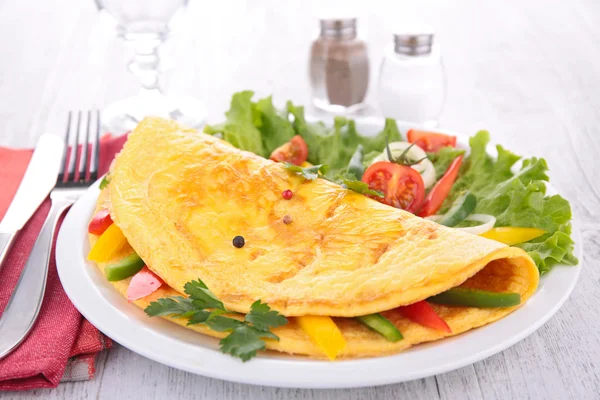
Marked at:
<point>39,179</point>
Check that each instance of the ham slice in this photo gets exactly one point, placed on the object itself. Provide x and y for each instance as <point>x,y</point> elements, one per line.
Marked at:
<point>142,284</point>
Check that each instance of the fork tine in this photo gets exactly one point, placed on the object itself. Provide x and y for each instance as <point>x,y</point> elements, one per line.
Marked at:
<point>95,164</point>
<point>63,164</point>
<point>83,169</point>
<point>74,150</point>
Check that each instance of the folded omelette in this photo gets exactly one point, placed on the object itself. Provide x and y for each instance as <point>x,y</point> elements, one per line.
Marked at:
<point>180,197</point>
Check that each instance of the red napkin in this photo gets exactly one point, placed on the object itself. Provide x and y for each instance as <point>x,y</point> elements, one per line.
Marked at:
<point>62,345</point>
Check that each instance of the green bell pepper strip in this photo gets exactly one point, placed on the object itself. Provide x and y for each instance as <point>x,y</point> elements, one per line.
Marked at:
<point>381,325</point>
<point>465,297</point>
<point>125,268</point>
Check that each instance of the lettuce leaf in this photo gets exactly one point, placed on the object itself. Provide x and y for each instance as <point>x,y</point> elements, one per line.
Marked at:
<point>518,199</point>
<point>257,127</point>
<point>443,158</point>
<point>275,127</point>
<point>369,157</point>
<point>260,128</point>
<point>335,146</point>
<point>239,129</point>
<point>555,249</point>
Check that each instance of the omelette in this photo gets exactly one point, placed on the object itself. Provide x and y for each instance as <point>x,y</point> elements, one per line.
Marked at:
<point>182,198</point>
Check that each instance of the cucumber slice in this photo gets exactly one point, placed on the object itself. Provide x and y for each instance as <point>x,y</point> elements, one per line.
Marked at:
<point>381,325</point>
<point>460,210</point>
<point>125,268</point>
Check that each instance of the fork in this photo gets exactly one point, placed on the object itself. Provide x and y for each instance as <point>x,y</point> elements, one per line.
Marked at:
<point>79,169</point>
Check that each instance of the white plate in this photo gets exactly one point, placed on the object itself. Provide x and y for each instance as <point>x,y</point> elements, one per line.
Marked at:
<point>173,345</point>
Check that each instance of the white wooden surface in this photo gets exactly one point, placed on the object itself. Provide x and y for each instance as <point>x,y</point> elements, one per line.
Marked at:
<point>528,71</point>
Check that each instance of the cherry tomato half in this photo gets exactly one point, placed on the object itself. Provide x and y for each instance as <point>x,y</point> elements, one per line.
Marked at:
<point>295,151</point>
<point>402,186</point>
<point>430,141</point>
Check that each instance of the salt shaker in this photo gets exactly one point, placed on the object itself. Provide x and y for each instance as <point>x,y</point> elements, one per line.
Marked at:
<point>412,85</point>
<point>339,66</point>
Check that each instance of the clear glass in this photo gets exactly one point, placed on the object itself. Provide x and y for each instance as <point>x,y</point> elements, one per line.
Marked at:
<point>412,88</point>
<point>339,73</point>
<point>145,23</point>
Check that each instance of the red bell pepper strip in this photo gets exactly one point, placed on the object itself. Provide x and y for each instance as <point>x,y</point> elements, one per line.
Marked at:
<point>438,193</point>
<point>142,284</point>
<point>100,222</point>
<point>422,313</point>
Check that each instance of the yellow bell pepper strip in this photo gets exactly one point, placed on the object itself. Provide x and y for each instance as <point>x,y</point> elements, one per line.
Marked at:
<point>324,333</point>
<point>107,245</point>
<point>513,235</point>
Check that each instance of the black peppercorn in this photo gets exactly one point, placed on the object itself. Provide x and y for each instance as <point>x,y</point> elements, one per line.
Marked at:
<point>239,242</point>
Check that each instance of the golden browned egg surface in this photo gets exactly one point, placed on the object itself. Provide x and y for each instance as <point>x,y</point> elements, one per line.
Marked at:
<point>500,275</point>
<point>180,197</point>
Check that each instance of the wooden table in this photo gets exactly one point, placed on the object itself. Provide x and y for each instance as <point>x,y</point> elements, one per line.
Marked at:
<point>528,71</point>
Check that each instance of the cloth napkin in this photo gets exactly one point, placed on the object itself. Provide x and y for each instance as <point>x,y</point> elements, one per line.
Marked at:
<point>62,345</point>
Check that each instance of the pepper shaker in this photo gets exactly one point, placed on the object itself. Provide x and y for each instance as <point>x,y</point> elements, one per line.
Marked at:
<point>412,85</point>
<point>339,66</point>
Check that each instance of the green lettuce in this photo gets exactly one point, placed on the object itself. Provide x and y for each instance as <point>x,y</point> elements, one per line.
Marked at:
<point>240,128</point>
<point>517,199</point>
<point>260,128</point>
<point>369,157</point>
<point>275,126</point>
<point>335,146</point>
<point>443,158</point>
<point>257,127</point>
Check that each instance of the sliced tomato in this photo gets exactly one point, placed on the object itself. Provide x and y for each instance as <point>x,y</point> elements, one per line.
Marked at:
<point>402,186</point>
<point>100,222</point>
<point>438,193</point>
<point>295,151</point>
<point>422,313</point>
<point>430,141</point>
<point>142,284</point>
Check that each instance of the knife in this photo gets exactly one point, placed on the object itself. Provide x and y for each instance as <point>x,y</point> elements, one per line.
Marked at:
<point>38,181</point>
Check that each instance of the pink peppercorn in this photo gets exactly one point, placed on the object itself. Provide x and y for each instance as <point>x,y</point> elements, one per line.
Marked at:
<point>287,194</point>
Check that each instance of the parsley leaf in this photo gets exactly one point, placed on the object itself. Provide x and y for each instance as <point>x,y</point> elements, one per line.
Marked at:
<point>309,173</point>
<point>222,324</point>
<point>244,341</point>
<point>202,297</point>
<point>348,180</point>
<point>178,305</point>
<point>263,318</point>
<point>202,307</point>
<point>104,182</point>
<point>198,317</point>
<point>360,187</point>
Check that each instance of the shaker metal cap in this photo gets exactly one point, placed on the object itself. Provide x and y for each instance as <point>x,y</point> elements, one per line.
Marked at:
<point>338,27</point>
<point>334,22</point>
<point>414,40</point>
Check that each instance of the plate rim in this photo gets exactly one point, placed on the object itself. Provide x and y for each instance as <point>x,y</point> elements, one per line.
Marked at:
<point>314,373</point>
